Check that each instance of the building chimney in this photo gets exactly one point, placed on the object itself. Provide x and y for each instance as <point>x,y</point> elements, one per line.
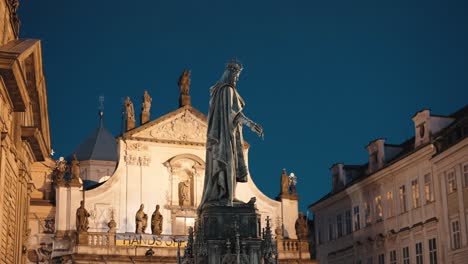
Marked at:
<point>376,151</point>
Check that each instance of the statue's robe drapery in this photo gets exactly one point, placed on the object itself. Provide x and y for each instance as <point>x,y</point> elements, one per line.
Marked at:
<point>225,161</point>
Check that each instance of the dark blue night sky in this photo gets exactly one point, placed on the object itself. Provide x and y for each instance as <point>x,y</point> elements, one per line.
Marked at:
<point>323,77</point>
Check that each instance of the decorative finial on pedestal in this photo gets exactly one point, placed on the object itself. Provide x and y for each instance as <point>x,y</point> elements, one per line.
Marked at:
<point>184,86</point>
<point>145,108</point>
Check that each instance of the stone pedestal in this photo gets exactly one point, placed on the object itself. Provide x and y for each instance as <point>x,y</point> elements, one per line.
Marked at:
<point>144,118</point>
<point>229,235</point>
<point>82,238</point>
<point>184,100</point>
<point>130,124</point>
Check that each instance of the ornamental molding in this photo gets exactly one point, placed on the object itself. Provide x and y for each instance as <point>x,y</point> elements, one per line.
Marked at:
<point>182,128</point>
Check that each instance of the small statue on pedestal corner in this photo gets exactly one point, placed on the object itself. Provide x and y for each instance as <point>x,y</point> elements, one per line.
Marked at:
<point>141,220</point>
<point>156,222</point>
<point>302,230</point>
<point>130,113</point>
<point>75,171</point>
<point>82,215</point>
<point>60,169</point>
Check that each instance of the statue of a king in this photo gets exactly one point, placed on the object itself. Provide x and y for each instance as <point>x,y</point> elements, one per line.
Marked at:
<point>225,161</point>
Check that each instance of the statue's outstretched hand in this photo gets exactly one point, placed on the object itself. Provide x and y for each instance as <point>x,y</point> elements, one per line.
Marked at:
<point>257,129</point>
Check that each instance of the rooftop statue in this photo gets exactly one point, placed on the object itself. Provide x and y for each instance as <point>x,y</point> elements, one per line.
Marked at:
<point>225,161</point>
<point>82,218</point>
<point>146,105</point>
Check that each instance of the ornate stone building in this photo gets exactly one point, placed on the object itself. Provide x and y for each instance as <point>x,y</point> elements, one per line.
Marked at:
<point>25,139</point>
<point>148,195</point>
<point>408,204</point>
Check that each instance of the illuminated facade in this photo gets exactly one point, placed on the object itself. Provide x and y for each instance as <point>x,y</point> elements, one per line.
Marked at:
<point>408,204</point>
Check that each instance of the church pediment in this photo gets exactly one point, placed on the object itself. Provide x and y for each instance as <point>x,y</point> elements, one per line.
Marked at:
<point>183,126</point>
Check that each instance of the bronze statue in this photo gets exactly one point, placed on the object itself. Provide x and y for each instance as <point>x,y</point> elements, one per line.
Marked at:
<point>302,230</point>
<point>184,193</point>
<point>156,222</point>
<point>141,220</point>
<point>146,105</point>
<point>184,82</point>
<point>225,161</point>
<point>82,218</point>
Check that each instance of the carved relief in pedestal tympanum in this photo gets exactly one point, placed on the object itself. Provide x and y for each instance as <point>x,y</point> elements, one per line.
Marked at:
<point>184,127</point>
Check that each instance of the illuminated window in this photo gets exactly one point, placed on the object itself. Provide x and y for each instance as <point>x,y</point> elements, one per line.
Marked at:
<point>390,204</point>
<point>428,188</point>
<point>451,182</point>
<point>378,208</point>
<point>415,192</point>
<point>367,214</point>
<point>402,199</point>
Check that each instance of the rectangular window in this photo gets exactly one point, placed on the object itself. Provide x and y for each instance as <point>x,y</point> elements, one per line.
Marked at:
<point>456,234</point>
<point>402,199</point>
<point>357,223</point>
<point>432,251</point>
<point>382,259</point>
<point>348,223</point>
<point>406,258</point>
<point>367,214</point>
<point>393,258</point>
<point>451,182</point>
<point>465,174</point>
<point>330,230</point>
<point>428,188</point>
<point>415,192</point>
<point>390,204</point>
<point>378,208</point>
<point>319,237</point>
<point>369,260</point>
<point>339,225</point>
<point>419,253</point>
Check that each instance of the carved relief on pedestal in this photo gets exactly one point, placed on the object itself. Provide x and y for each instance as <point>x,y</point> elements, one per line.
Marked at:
<point>185,127</point>
<point>137,154</point>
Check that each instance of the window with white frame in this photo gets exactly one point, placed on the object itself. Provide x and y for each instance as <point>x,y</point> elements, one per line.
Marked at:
<point>465,174</point>
<point>393,257</point>
<point>367,213</point>
<point>357,221</point>
<point>339,225</point>
<point>348,222</point>
<point>428,193</point>
<point>378,208</point>
<point>419,253</point>
<point>432,251</point>
<point>455,234</point>
<point>415,192</point>
<point>406,257</point>
<point>390,205</point>
<point>381,258</point>
<point>451,182</point>
<point>403,199</point>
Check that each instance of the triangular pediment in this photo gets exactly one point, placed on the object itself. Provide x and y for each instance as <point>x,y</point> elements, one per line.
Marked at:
<point>186,125</point>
